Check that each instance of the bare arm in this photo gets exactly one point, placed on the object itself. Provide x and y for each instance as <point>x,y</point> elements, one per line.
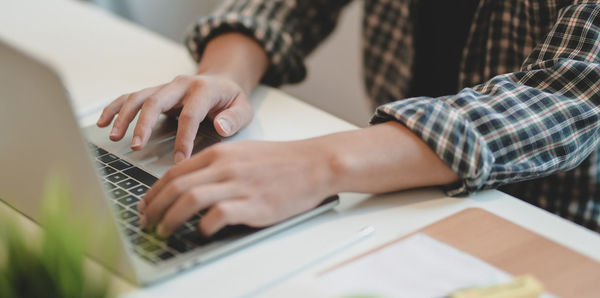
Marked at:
<point>236,56</point>
<point>261,183</point>
<point>383,158</point>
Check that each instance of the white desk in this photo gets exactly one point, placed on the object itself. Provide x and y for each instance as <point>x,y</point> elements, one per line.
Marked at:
<point>101,56</point>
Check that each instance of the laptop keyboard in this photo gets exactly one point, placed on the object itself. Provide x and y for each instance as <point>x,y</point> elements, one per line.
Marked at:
<point>127,184</point>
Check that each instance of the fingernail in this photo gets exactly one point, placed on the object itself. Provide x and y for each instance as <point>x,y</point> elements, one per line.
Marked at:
<point>137,141</point>
<point>225,125</point>
<point>179,156</point>
<point>141,206</point>
<point>143,221</point>
<point>114,132</point>
<point>160,230</point>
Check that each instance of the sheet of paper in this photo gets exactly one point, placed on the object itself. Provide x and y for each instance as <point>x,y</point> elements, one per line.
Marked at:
<point>418,266</point>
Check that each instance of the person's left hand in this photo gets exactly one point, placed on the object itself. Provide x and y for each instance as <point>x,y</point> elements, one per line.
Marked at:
<point>253,183</point>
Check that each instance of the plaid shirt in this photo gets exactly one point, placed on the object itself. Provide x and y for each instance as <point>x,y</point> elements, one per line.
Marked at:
<point>527,118</point>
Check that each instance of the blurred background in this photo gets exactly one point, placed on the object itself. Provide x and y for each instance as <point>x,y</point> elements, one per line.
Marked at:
<point>334,81</point>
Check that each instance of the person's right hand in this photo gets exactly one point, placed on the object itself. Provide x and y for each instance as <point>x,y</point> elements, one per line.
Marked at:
<point>193,98</point>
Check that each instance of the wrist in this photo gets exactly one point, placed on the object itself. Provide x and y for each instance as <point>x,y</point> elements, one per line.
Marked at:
<point>328,165</point>
<point>237,57</point>
<point>247,85</point>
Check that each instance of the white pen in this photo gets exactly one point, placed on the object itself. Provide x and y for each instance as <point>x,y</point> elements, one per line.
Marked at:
<point>362,234</point>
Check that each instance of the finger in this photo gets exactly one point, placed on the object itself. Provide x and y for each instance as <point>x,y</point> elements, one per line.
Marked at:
<point>157,206</point>
<point>223,213</point>
<point>190,203</point>
<point>199,161</point>
<point>111,110</point>
<point>196,105</point>
<point>234,118</point>
<point>163,100</point>
<point>128,111</point>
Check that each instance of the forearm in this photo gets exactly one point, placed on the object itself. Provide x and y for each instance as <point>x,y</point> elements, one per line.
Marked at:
<point>542,120</point>
<point>236,56</point>
<point>382,158</point>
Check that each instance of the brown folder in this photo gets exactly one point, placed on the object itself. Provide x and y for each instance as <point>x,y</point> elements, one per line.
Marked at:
<point>515,250</point>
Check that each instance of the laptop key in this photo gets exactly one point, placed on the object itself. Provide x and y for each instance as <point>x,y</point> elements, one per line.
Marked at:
<point>120,164</point>
<point>183,229</point>
<point>99,151</point>
<point>109,185</point>
<point>129,232</point>
<point>141,175</point>
<point>135,222</point>
<point>194,238</point>
<point>135,233</point>
<point>139,190</point>
<point>193,222</point>
<point>146,257</point>
<point>178,244</point>
<point>150,247</point>
<point>138,240</point>
<point>197,216</point>
<point>151,235</point>
<point>108,158</point>
<point>127,214</point>
<point>128,200</point>
<point>127,184</point>
<point>117,177</point>
<point>107,171</point>
<point>119,207</point>
<point>165,255</point>
<point>117,193</point>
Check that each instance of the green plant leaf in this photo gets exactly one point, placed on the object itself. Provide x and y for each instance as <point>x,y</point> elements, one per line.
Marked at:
<point>54,267</point>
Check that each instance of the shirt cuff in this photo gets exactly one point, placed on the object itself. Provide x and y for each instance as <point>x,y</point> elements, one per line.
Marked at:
<point>285,63</point>
<point>450,135</point>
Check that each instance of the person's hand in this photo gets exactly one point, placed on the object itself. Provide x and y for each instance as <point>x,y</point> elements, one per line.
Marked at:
<point>192,97</point>
<point>254,183</point>
<point>259,183</point>
<point>231,66</point>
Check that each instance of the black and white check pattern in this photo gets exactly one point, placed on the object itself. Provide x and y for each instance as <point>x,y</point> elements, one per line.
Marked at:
<point>527,118</point>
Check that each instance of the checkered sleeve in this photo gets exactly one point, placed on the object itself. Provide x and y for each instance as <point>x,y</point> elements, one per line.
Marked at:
<point>288,30</point>
<point>518,126</point>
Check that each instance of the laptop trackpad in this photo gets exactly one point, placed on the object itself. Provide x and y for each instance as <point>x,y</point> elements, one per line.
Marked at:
<point>157,155</point>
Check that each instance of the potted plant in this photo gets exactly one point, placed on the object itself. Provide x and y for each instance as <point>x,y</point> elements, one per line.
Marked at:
<point>51,265</point>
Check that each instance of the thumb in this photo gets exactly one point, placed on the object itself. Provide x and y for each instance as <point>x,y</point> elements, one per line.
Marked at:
<point>231,120</point>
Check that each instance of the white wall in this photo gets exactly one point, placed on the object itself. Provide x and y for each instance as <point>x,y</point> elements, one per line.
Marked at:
<point>169,18</point>
<point>334,81</point>
<point>334,73</point>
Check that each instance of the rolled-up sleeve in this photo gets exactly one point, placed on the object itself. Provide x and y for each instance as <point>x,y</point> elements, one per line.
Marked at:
<point>288,30</point>
<point>539,121</point>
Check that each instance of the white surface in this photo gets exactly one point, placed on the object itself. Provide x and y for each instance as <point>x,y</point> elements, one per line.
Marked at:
<point>334,81</point>
<point>169,18</point>
<point>101,57</point>
<point>418,266</point>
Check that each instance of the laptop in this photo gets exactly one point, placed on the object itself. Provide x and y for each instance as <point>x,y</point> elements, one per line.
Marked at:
<point>40,136</point>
